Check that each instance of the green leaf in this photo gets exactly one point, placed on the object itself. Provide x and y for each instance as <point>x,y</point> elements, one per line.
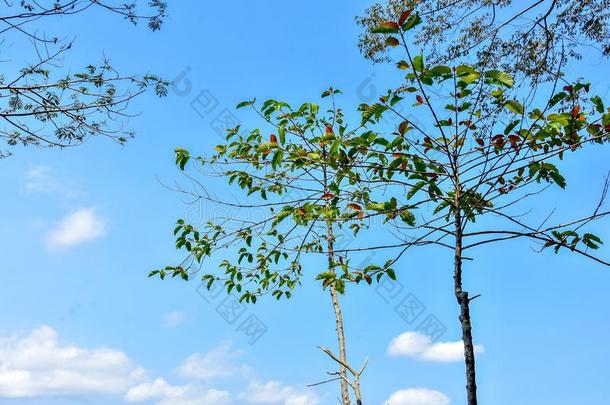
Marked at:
<point>467,74</point>
<point>500,77</point>
<point>407,217</point>
<point>514,106</point>
<point>591,241</point>
<point>599,104</point>
<point>418,63</point>
<point>370,111</point>
<point>182,157</point>
<point>511,126</point>
<point>558,178</point>
<point>334,148</point>
<point>440,70</point>
<point>440,207</point>
<point>391,274</point>
<point>330,92</point>
<point>245,104</point>
<point>403,65</point>
<point>415,189</point>
<point>277,158</point>
<point>412,22</point>
<point>557,98</point>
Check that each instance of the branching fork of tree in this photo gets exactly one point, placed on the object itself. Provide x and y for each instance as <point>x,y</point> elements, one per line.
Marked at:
<point>306,171</point>
<point>526,38</point>
<point>480,154</point>
<point>489,154</point>
<point>40,104</point>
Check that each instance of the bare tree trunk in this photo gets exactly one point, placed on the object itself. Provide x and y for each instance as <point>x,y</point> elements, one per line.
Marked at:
<point>464,302</point>
<point>339,320</point>
<point>330,240</point>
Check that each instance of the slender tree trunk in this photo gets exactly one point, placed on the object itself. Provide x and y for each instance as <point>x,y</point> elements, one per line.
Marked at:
<point>338,318</point>
<point>464,302</point>
<point>330,241</point>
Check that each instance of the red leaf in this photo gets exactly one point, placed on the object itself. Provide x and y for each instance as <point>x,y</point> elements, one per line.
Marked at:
<point>514,139</point>
<point>467,123</point>
<point>391,41</point>
<point>355,207</point>
<point>427,144</point>
<point>402,128</point>
<point>568,88</point>
<point>273,138</point>
<point>419,99</point>
<point>390,24</point>
<point>575,111</point>
<point>498,141</point>
<point>481,142</point>
<point>327,196</point>
<point>404,16</point>
<point>329,130</point>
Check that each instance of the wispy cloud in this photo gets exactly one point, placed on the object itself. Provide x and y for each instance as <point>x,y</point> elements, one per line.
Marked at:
<point>39,365</point>
<point>76,228</point>
<point>40,180</point>
<point>173,319</point>
<point>417,396</point>
<point>418,346</point>
<point>220,362</point>
<point>166,394</point>
<point>274,392</point>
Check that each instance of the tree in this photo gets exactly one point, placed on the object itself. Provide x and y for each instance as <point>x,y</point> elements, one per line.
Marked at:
<point>309,180</point>
<point>41,105</point>
<point>478,152</point>
<point>524,38</point>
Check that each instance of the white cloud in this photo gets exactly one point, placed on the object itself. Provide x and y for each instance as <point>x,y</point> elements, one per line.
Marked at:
<point>421,347</point>
<point>173,319</point>
<point>217,363</point>
<point>39,365</point>
<point>166,394</point>
<point>81,226</point>
<point>417,396</point>
<point>40,180</point>
<point>274,392</point>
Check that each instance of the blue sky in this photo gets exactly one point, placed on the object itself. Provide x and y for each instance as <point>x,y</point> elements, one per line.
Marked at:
<point>82,228</point>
